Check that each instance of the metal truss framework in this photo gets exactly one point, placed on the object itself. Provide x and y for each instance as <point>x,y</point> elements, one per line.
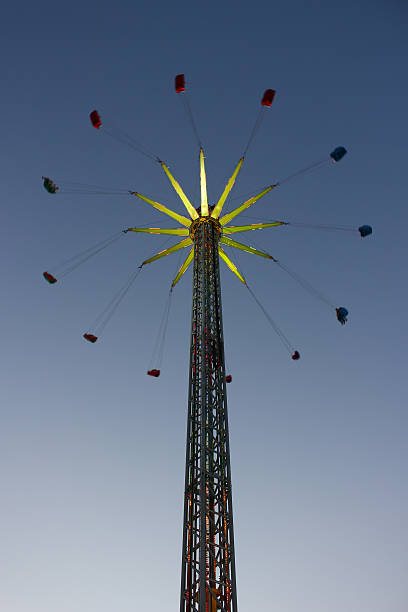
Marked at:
<point>208,580</point>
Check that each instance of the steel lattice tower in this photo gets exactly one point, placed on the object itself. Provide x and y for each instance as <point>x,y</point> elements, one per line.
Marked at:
<point>208,581</point>
<point>208,562</point>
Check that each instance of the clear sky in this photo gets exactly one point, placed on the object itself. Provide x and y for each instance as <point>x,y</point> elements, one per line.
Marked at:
<point>91,449</point>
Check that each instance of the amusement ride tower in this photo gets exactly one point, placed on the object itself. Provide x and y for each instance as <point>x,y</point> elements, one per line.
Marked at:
<point>208,581</point>
<point>208,557</point>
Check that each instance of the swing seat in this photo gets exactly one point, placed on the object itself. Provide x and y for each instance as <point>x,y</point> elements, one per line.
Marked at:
<point>365,230</point>
<point>268,97</point>
<point>90,337</point>
<point>228,378</point>
<point>155,373</point>
<point>342,315</point>
<point>296,356</point>
<point>49,277</point>
<point>338,153</point>
<point>95,119</point>
<point>49,185</point>
<point>180,84</point>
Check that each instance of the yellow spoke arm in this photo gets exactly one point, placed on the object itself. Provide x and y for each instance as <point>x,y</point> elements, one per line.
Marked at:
<point>203,182</point>
<point>183,268</point>
<point>244,247</point>
<point>157,230</point>
<point>233,229</point>
<point>163,209</point>
<point>227,218</point>
<point>180,245</point>
<point>177,188</point>
<point>231,265</point>
<point>218,207</point>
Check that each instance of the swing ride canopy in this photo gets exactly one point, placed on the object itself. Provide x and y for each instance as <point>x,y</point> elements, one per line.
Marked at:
<point>211,213</point>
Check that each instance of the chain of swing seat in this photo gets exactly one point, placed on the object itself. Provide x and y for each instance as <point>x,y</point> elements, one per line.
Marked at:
<point>106,315</point>
<point>71,264</point>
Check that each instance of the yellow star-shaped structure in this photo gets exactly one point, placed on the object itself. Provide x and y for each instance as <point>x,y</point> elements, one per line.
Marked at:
<point>207,215</point>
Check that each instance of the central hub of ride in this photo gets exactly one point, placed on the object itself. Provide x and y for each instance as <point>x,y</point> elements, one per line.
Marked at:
<point>201,220</point>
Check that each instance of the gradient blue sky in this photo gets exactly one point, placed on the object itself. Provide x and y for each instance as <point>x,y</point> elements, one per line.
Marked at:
<point>91,449</point>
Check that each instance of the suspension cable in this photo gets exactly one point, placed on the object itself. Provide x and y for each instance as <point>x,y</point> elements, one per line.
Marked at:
<point>307,169</point>
<point>289,347</point>
<point>334,228</point>
<point>69,265</point>
<point>121,136</point>
<point>180,87</point>
<point>105,316</point>
<point>158,349</point>
<point>78,185</point>
<point>285,341</point>
<point>306,285</point>
<point>98,192</point>
<point>255,129</point>
<point>190,115</point>
<point>72,187</point>
<point>124,138</point>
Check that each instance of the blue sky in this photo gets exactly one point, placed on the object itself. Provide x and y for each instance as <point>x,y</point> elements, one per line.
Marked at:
<point>92,450</point>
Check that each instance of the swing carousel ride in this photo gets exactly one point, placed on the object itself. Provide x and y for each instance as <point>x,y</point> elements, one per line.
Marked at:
<point>208,581</point>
